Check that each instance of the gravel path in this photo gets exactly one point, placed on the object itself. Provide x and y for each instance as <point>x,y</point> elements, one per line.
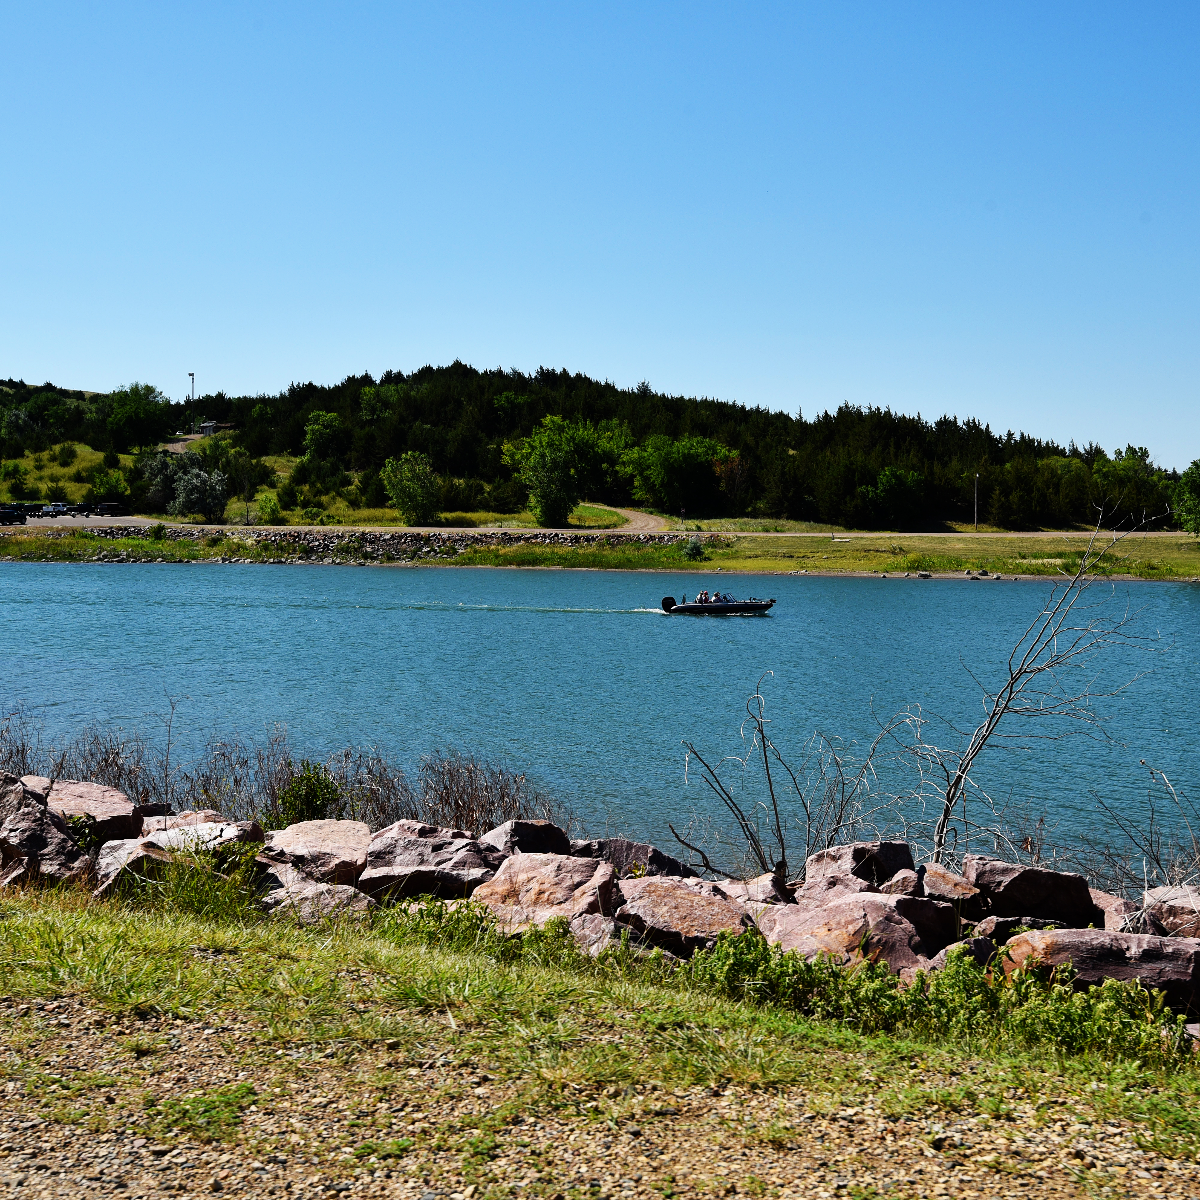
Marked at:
<point>99,1107</point>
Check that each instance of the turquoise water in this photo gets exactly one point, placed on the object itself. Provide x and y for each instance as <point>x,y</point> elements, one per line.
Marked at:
<point>576,677</point>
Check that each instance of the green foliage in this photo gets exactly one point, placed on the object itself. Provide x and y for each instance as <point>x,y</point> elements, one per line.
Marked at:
<point>694,550</point>
<point>210,1117</point>
<point>84,830</point>
<point>677,474</point>
<point>669,452</point>
<point>157,532</point>
<point>286,494</point>
<point>218,885</point>
<point>56,493</point>
<point>138,415</point>
<point>108,486</point>
<point>962,1003</point>
<point>894,501</point>
<point>553,463</point>
<point>414,489</point>
<point>66,454</point>
<point>322,435</point>
<point>1187,499</point>
<point>312,795</point>
<point>268,510</point>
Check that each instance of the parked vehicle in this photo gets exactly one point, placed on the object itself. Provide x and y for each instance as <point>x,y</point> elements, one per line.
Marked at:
<point>54,510</point>
<point>110,509</point>
<point>11,516</point>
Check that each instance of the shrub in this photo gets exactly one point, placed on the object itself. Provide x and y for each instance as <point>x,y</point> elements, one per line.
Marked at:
<point>963,1003</point>
<point>286,494</point>
<point>268,510</point>
<point>694,550</point>
<point>56,493</point>
<point>156,533</point>
<point>312,795</point>
<point>112,460</point>
<point>108,485</point>
<point>413,487</point>
<point>66,454</point>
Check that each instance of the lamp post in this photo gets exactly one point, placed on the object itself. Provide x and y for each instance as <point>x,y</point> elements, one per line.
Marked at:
<point>976,501</point>
<point>192,377</point>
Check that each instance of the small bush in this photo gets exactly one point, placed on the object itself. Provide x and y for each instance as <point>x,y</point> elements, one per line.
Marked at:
<point>268,510</point>
<point>112,460</point>
<point>156,533</point>
<point>694,550</point>
<point>66,454</point>
<point>312,795</point>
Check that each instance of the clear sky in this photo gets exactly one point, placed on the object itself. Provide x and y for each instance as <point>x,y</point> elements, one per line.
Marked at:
<point>983,209</point>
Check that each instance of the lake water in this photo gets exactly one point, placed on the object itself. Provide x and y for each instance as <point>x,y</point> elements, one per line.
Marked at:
<point>576,677</point>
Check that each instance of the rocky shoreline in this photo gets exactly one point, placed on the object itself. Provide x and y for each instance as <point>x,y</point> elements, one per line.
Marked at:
<point>350,546</point>
<point>863,900</point>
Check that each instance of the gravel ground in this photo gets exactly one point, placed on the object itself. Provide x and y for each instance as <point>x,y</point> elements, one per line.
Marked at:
<point>96,1106</point>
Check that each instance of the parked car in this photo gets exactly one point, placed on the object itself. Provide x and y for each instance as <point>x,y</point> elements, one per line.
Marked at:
<point>110,510</point>
<point>11,516</point>
<point>54,510</point>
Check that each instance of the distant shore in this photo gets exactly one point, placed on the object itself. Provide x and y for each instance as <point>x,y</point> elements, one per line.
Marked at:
<point>1169,557</point>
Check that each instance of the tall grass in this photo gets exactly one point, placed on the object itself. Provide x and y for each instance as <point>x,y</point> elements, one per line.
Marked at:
<point>246,780</point>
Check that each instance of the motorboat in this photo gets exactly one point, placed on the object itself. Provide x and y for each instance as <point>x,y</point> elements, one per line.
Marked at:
<point>718,608</point>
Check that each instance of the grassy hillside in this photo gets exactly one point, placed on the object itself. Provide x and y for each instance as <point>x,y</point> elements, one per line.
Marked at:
<point>393,1059</point>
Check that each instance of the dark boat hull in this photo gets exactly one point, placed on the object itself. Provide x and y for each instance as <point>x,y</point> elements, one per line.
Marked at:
<point>739,608</point>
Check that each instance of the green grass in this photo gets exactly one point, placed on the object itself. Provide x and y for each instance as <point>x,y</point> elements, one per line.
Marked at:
<point>1173,556</point>
<point>447,986</point>
<point>43,470</point>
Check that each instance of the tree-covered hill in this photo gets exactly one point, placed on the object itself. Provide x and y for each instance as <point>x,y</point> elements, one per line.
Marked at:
<point>857,467</point>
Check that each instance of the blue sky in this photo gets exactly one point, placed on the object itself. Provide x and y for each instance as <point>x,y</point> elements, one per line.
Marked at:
<point>980,209</point>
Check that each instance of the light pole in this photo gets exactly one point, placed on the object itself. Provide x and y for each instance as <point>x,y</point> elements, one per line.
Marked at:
<point>976,501</point>
<point>192,377</point>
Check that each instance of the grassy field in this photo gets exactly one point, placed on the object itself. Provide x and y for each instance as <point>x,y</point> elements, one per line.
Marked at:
<point>425,1050</point>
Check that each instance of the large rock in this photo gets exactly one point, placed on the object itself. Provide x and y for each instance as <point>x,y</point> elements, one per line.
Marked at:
<point>679,915</point>
<point>1011,890</point>
<point>531,889</point>
<point>1173,911</point>
<point>419,829</point>
<point>875,862</point>
<point>939,883</point>
<point>163,822</point>
<point>150,855</point>
<point>999,929</point>
<point>762,889</point>
<point>35,841</point>
<point>1120,915</point>
<point>528,837</point>
<point>326,851</point>
<point>903,883</point>
<point>632,858</point>
<point>310,903</point>
<point>825,889</point>
<point>981,949</point>
<point>1172,964</point>
<point>903,931</point>
<point>401,865</point>
<point>113,812</point>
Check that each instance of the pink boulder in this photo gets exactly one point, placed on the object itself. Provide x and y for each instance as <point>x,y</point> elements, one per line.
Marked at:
<point>531,889</point>
<point>679,915</point>
<point>1168,963</point>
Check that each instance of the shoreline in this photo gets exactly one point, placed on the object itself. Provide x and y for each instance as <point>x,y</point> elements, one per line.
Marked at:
<point>801,555</point>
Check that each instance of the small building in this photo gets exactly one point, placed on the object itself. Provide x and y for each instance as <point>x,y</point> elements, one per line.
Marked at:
<point>208,428</point>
